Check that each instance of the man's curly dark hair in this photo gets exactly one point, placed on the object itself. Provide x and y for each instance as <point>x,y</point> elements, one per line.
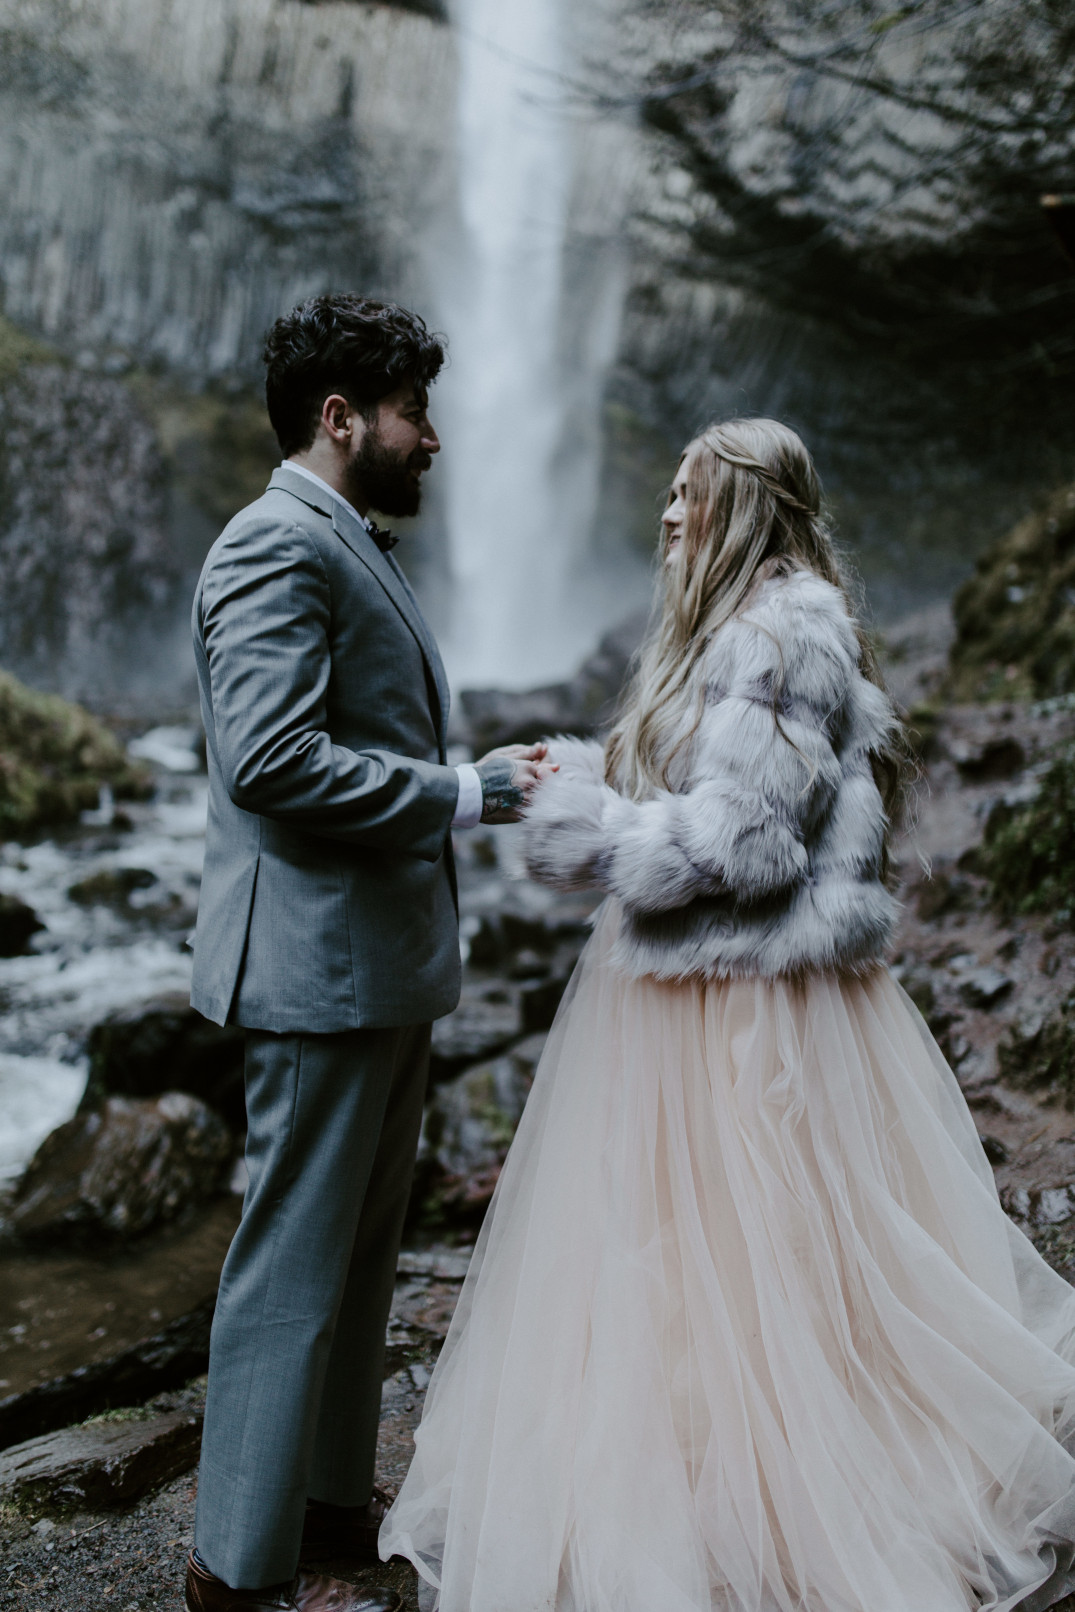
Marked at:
<point>342,343</point>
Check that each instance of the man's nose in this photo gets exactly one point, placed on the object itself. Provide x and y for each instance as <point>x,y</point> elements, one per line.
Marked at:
<point>430,439</point>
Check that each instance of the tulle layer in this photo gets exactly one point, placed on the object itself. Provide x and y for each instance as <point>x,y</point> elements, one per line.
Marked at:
<point>746,1328</point>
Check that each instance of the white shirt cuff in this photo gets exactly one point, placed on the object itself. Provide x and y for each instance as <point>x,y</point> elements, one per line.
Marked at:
<point>468,808</point>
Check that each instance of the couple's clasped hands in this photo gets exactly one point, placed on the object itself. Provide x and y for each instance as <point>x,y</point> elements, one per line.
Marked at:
<point>509,777</point>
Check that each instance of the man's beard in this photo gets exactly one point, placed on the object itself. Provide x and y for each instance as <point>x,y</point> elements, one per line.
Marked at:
<point>385,479</point>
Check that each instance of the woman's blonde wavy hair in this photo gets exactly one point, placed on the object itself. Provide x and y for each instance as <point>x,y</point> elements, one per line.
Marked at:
<point>753,509</point>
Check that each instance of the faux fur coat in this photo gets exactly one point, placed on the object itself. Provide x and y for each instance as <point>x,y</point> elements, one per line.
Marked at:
<point>769,861</point>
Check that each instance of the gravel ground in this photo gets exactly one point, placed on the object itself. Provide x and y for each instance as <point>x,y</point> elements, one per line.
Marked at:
<point>133,1560</point>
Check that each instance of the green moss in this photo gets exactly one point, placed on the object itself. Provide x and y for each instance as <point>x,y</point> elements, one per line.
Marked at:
<point>218,446</point>
<point>1015,618</point>
<point>500,1127</point>
<point>122,1413</point>
<point>14,1518</point>
<point>1056,1245</point>
<point>1028,853</point>
<point>54,757</point>
<point>17,349</point>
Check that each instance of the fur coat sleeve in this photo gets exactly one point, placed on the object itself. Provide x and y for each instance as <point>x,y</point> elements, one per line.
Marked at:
<point>763,769</point>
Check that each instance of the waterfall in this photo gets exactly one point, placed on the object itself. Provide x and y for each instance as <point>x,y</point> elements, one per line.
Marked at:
<point>530,340</point>
<point>178,172</point>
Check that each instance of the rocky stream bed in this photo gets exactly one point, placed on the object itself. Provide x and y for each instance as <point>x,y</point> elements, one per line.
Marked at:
<point>114,1235</point>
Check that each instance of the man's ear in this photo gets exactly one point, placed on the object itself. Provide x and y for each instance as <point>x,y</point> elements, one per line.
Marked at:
<point>340,419</point>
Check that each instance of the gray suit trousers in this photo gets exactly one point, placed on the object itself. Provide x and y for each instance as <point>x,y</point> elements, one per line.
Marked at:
<point>297,1350</point>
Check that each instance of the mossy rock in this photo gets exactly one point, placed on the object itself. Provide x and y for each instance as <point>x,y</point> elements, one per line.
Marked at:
<point>1015,617</point>
<point>1028,852</point>
<point>54,758</point>
<point>1039,1053</point>
<point>18,348</point>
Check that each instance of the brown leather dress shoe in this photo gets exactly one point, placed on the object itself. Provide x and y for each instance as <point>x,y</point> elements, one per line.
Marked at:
<point>343,1533</point>
<point>307,1592</point>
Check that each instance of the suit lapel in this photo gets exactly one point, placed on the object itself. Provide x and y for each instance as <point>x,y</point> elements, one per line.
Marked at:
<point>429,646</point>
<point>382,566</point>
<point>398,589</point>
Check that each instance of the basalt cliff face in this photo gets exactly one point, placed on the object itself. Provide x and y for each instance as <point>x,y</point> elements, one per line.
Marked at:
<point>826,214</point>
<point>840,224</point>
<point>173,173</point>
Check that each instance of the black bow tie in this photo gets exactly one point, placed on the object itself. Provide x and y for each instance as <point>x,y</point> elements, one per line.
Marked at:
<point>383,540</point>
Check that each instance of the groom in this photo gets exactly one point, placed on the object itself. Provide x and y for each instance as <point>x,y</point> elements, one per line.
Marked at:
<point>328,928</point>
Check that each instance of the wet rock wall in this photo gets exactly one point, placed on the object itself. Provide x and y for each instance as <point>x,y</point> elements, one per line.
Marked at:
<point>171,176</point>
<point>840,225</point>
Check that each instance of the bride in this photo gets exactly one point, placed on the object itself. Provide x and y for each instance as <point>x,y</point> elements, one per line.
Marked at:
<point>746,1329</point>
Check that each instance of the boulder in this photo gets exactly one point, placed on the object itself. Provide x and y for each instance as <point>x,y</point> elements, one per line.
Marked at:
<point>120,1169</point>
<point>171,748</point>
<point>18,923</point>
<point>111,887</point>
<point>55,758</point>
<point>468,1127</point>
<point>1028,848</point>
<point>101,1463</point>
<point>1039,1206</point>
<point>487,1020</point>
<point>1015,617</point>
<point>499,939</point>
<point>471,1120</point>
<point>163,1045</point>
<point>985,987</point>
<point>940,893</point>
<point>1000,756</point>
<point>995,1150</point>
<point>540,998</point>
<point>582,705</point>
<point>1038,1051</point>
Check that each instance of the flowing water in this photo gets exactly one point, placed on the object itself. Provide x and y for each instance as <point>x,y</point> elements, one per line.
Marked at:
<point>122,942</point>
<point>174,175</point>
<point>533,330</point>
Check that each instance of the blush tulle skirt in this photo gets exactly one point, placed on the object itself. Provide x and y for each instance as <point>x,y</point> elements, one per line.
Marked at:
<point>746,1329</point>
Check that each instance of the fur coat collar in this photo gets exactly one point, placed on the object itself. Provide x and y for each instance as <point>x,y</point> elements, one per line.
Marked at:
<point>769,862</point>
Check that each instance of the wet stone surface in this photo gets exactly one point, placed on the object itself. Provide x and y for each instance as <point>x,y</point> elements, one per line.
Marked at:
<point>995,992</point>
<point>151,1047</point>
<point>18,923</point>
<point>131,1558</point>
<point>120,1169</point>
<point>65,1309</point>
<point>104,1462</point>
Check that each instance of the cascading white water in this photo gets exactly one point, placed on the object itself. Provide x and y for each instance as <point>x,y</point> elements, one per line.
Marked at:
<point>265,152</point>
<point>520,433</point>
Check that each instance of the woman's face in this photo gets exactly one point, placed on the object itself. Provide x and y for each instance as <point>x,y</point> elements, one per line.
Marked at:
<point>673,517</point>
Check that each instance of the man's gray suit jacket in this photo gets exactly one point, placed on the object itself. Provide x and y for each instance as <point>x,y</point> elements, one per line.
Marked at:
<point>328,896</point>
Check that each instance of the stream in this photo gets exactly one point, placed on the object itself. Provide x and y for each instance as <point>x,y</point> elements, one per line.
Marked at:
<point>117,895</point>
<point>119,939</point>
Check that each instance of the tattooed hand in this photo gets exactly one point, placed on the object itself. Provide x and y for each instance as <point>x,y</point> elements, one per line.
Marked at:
<point>509,777</point>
